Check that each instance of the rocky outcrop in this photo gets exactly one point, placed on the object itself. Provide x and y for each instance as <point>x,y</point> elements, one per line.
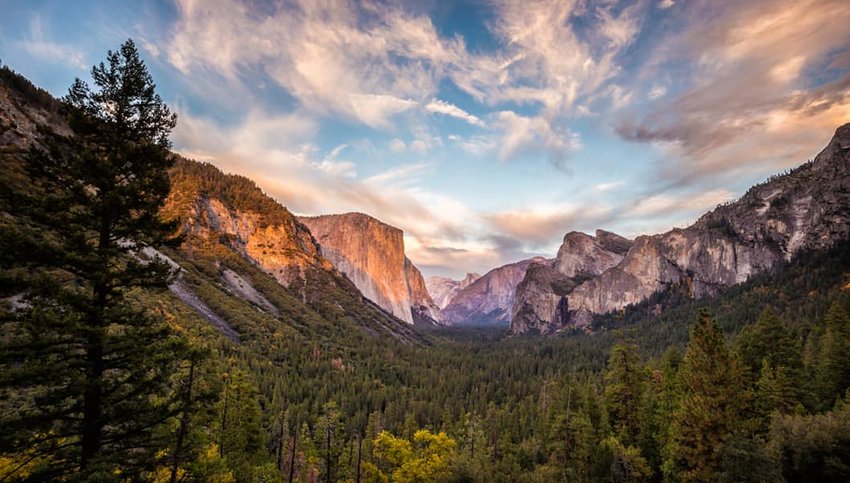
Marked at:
<point>582,255</point>
<point>443,289</point>
<point>371,254</point>
<point>284,249</point>
<point>806,208</point>
<point>488,299</point>
<point>540,304</point>
<point>23,110</point>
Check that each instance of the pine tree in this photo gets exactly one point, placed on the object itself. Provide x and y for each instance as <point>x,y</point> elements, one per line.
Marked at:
<point>623,392</point>
<point>87,365</point>
<point>833,371</point>
<point>239,432</point>
<point>769,338</point>
<point>714,401</point>
<point>329,439</point>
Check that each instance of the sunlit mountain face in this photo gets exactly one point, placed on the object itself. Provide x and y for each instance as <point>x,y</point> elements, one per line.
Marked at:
<point>484,130</point>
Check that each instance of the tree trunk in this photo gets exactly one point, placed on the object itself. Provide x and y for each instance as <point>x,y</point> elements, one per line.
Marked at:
<point>184,422</point>
<point>92,399</point>
<point>280,445</point>
<point>92,430</point>
<point>223,423</point>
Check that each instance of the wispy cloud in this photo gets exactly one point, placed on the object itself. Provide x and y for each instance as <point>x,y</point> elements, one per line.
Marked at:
<point>448,109</point>
<point>521,135</point>
<point>38,45</point>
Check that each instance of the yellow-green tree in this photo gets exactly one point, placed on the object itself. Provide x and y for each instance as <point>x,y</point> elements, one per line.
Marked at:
<point>427,458</point>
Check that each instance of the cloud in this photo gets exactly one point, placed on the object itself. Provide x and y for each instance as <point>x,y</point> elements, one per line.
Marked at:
<point>399,175</point>
<point>666,204</point>
<point>345,169</point>
<point>476,145</point>
<point>442,107</point>
<point>540,227</point>
<point>523,135</point>
<point>367,63</point>
<point>657,91</point>
<point>619,30</point>
<point>376,110</point>
<point>39,46</point>
<point>603,187</point>
<point>754,92</point>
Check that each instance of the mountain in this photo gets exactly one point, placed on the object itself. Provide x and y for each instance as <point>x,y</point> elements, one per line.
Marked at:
<point>489,298</point>
<point>539,302</point>
<point>247,266</point>
<point>444,289</point>
<point>241,247</point>
<point>371,254</point>
<point>807,208</point>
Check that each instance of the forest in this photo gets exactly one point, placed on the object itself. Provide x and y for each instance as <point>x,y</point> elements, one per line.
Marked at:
<point>105,375</point>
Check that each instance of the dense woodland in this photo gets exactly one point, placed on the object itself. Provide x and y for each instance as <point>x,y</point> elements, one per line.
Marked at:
<point>105,375</point>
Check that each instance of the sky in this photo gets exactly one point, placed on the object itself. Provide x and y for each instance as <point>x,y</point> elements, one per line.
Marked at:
<point>486,130</point>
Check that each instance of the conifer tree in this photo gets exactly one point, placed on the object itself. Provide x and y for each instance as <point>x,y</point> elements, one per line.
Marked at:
<point>623,392</point>
<point>769,338</point>
<point>87,367</point>
<point>714,401</point>
<point>833,371</point>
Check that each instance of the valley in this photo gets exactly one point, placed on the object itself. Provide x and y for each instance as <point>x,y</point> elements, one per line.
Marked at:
<point>223,338</point>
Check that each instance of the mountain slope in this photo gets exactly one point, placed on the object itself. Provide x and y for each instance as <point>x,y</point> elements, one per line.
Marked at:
<point>247,266</point>
<point>807,208</point>
<point>228,220</point>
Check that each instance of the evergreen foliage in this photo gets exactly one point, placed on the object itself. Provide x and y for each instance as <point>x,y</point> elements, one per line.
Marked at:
<point>86,369</point>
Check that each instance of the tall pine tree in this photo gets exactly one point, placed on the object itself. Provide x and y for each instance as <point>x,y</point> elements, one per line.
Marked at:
<point>623,391</point>
<point>714,402</point>
<point>85,366</point>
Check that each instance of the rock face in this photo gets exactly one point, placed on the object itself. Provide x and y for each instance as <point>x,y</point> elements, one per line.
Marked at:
<point>587,256</point>
<point>371,254</point>
<point>284,249</point>
<point>540,304</point>
<point>488,299</point>
<point>23,108</point>
<point>807,208</point>
<point>443,289</point>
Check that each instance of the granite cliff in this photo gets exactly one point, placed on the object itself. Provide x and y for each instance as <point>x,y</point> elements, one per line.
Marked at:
<point>806,208</point>
<point>371,254</point>
<point>539,304</point>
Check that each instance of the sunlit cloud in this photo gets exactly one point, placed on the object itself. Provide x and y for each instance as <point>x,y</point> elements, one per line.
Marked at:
<point>486,140</point>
